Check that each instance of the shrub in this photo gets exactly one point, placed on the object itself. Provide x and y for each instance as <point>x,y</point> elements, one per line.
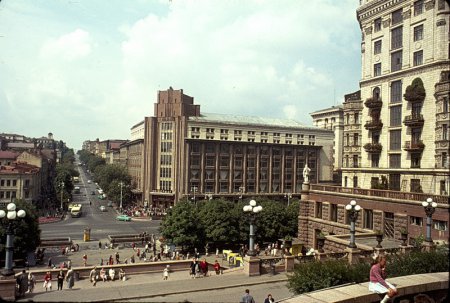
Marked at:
<point>417,262</point>
<point>415,91</point>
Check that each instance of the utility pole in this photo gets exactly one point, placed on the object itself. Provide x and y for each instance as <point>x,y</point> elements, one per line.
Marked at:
<point>62,191</point>
<point>121,185</point>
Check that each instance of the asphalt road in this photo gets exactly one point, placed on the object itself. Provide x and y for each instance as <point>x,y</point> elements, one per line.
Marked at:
<point>101,223</point>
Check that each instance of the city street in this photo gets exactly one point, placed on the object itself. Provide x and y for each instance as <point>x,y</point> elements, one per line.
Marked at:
<point>101,223</point>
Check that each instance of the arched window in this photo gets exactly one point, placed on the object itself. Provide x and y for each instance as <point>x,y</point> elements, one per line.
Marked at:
<point>376,93</point>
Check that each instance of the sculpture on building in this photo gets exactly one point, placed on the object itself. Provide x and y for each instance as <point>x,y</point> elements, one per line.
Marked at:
<point>306,171</point>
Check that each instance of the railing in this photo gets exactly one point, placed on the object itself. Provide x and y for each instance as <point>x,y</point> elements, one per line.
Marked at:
<point>415,119</point>
<point>373,124</point>
<point>373,147</point>
<point>381,193</point>
<point>414,145</point>
<point>373,103</point>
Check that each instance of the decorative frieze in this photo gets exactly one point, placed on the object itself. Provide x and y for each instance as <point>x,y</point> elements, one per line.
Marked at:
<point>407,14</point>
<point>440,22</point>
<point>368,30</point>
<point>387,22</point>
<point>429,5</point>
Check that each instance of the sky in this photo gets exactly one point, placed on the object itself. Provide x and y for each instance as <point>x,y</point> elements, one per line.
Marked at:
<point>87,69</point>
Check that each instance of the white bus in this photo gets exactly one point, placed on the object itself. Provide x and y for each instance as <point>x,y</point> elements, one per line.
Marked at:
<point>76,211</point>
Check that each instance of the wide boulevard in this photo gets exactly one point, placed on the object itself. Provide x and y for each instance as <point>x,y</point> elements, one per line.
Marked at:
<point>101,223</point>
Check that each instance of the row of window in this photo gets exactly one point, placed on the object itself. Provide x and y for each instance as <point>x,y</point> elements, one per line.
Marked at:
<point>397,16</point>
<point>8,182</point>
<point>396,62</point>
<point>251,133</point>
<point>236,187</point>
<point>225,148</point>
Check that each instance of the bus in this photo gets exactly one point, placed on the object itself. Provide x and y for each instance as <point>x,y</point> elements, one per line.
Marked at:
<point>76,190</point>
<point>75,212</point>
<point>76,179</point>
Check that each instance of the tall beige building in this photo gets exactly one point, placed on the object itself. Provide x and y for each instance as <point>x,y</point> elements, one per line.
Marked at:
<point>403,132</point>
<point>199,155</point>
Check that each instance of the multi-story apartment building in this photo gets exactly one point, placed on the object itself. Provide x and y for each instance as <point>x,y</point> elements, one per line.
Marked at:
<point>19,181</point>
<point>188,153</point>
<point>333,119</point>
<point>401,134</point>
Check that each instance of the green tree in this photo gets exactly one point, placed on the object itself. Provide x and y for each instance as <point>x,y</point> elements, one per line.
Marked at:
<point>26,231</point>
<point>113,192</point>
<point>106,174</point>
<point>95,162</point>
<point>181,226</point>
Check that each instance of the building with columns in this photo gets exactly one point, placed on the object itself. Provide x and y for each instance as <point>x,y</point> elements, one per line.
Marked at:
<point>193,154</point>
<point>398,128</point>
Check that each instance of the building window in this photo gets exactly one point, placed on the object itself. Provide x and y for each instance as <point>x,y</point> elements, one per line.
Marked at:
<point>395,140</point>
<point>418,7</point>
<point>375,160</point>
<point>415,186</point>
<point>345,181</point>
<point>418,32</point>
<point>355,140</point>
<point>396,91</point>
<point>376,93</point>
<point>377,24</point>
<point>417,221</point>
<point>445,105</point>
<point>377,69</point>
<point>397,16</point>
<point>394,161</point>
<point>418,58</point>
<point>397,38</point>
<point>444,131</point>
<point>355,181</point>
<point>319,210</point>
<point>444,159</point>
<point>440,225</point>
<point>396,61</point>
<point>394,183</point>
<point>415,160</point>
<point>355,161</point>
<point>377,47</point>
<point>395,115</point>
<point>368,219</point>
<point>14,182</point>
<point>333,212</point>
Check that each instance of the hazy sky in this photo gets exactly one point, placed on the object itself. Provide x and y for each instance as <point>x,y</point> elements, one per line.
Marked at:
<point>86,69</point>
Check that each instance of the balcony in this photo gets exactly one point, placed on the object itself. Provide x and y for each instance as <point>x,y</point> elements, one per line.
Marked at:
<point>373,124</point>
<point>373,148</point>
<point>414,120</point>
<point>415,146</point>
<point>373,103</point>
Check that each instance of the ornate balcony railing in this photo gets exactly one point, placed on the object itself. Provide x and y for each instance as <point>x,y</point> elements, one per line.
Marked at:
<point>398,195</point>
<point>373,124</point>
<point>373,103</point>
<point>414,146</point>
<point>414,120</point>
<point>373,147</point>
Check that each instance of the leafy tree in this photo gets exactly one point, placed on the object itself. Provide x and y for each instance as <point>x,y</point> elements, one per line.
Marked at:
<point>94,162</point>
<point>291,226</point>
<point>26,231</point>
<point>106,174</point>
<point>181,225</point>
<point>113,192</point>
<point>64,174</point>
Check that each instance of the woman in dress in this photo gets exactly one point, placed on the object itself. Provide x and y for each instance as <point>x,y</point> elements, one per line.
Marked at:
<point>48,281</point>
<point>31,282</point>
<point>103,274</point>
<point>70,278</point>
<point>378,283</point>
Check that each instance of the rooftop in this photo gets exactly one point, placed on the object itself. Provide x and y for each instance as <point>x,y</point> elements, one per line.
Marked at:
<point>249,120</point>
<point>7,154</point>
<point>339,107</point>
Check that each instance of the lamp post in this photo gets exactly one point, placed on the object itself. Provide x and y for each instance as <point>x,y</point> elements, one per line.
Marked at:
<point>430,208</point>
<point>194,190</point>
<point>121,185</point>
<point>352,211</point>
<point>241,192</point>
<point>11,215</point>
<point>62,191</point>
<point>288,196</point>
<point>252,210</point>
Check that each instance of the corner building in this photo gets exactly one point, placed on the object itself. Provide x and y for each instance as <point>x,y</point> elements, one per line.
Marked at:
<point>395,137</point>
<point>189,154</point>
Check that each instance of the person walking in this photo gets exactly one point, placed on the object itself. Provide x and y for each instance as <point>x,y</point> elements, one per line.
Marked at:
<point>60,279</point>
<point>22,283</point>
<point>204,267</point>
<point>93,276</point>
<point>85,259</point>
<point>70,278</point>
<point>31,282</point>
<point>269,299</point>
<point>117,257</point>
<point>166,273</point>
<point>48,281</point>
<point>111,260</point>
<point>99,245</point>
<point>217,267</point>
<point>378,283</point>
<point>247,298</point>
<point>192,267</point>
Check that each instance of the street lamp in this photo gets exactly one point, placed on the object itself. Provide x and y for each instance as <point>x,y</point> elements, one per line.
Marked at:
<point>11,215</point>
<point>288,196</point>
<point>62,191</point>
<point>352,211</point>
<point>194,190</point>
<point>430,208</point>
<point>252,210</point>
<point>121,185</point>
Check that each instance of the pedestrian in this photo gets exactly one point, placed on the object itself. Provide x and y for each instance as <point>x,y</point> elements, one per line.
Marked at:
<point>99,244</point>
<point>31,282</point>
<point>111,260</point>
<point>247,298</point>
<point>49,263</point>
<point>138,253</point>
<point>22,283</point>
<point>132,259</point>
<point>204,267</point>
<point>122,275</point>
<point>217,252</point>
<point>217,267</point>
<point>269,299</point>
<point>117,257</point>
<point>48,281</point>
<point>166,273</point>
<point>69,264</point>
<point>192,268</point>
<point>85,259</point>
<point>112,274</point>
<point>70,278</point>
<point>60,279</point>
<point>93,276</point>
<point>103,274</point>
<point>378,283</point>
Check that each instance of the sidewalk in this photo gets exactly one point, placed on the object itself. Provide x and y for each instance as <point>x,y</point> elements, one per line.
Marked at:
<point>147,286</point>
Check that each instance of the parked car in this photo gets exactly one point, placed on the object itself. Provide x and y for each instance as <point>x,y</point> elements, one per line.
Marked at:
<point>102,208</point>
<point>93,193</point>
<point>123,218</point>
<point>89,181</point>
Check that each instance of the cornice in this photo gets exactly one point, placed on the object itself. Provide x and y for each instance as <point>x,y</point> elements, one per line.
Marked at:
<point>374,7</point>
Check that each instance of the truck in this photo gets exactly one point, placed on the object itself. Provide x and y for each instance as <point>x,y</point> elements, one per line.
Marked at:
<point>76,211</point>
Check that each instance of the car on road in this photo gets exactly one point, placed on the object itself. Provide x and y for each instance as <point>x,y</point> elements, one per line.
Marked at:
<point>102,208</point>
<point>123,218</point>
<point>93,193</point>
<point>89,181</point>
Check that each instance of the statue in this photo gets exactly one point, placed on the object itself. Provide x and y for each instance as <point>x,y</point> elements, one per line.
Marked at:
<point>306,171</point>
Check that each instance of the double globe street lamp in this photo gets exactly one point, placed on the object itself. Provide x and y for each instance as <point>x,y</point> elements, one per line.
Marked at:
<point>11,215</point>
<point>353,211</point>
<point>252,209</point>
<point>430,208</point>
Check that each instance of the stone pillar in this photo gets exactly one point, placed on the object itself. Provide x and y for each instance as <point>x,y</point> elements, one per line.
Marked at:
<point>251,266</point>
<point>289,263</point>
<point>305,191</point>
<point>428,246</point>
<point>353,255</point>
<point>8,288</point>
